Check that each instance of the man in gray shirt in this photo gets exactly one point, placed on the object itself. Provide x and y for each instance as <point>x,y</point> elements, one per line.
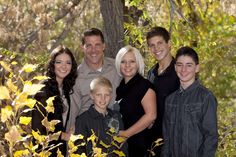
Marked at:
<point>94,64</point>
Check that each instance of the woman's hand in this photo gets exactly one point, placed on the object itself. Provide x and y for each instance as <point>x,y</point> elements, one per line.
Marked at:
<point>123,133</point>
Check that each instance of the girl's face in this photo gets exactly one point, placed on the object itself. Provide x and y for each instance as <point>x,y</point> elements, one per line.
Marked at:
<point>128,66</point>
<point>63,65</point>
<point>186,70</point>
<point>101,97</point>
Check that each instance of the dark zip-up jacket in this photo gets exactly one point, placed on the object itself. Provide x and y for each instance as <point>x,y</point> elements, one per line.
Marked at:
<point>92,121</point>
<point>190,123</point>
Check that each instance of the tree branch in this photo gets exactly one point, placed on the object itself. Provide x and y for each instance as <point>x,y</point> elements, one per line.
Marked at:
<point>61,14</point>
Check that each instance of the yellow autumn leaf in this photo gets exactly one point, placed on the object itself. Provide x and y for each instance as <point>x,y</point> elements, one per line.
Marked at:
<point>40,78</point>
<point>50,125</point>
<point>22,100</point>
<point>115,144</point>
<point>119,139</point>
<point>97,151</point>
<point>13,135</point>
<point>50,107</point>
<point>29,68</point>
<point>104,144</point>
<point>112,130</point>
<point>5,66</point>
<point>11,86</point>
<point>119,153</point>
<point>14,63</point>
<point>158,142</point>
<point>6,113</point>
<point>92,137</point>
<point>32,89</point>
<point>21,153</point>
<point>76,137</point>
<point>44,154</point>
<point>78,155</point>
<point>54,136</point>
<point>59,154</point>
<point>25,120</point>
<point>30,102</point>
<point>72,147</point>
<point>38,137</point>
<point>4,93</point>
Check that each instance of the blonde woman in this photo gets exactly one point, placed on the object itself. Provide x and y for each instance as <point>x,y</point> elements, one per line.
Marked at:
<point>137,100</point>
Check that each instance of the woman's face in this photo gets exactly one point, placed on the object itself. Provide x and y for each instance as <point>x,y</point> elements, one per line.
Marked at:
<point>128,66</point>
<point>63,65</point>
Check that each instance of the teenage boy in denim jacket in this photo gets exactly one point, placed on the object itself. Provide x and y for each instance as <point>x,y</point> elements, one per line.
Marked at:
<point>190,119</point>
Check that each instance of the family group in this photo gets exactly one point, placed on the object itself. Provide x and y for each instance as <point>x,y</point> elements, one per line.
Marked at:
<point>113,97</point>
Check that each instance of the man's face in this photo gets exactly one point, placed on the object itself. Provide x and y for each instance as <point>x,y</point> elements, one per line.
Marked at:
<point>93,51</point>
<point>159,47</point>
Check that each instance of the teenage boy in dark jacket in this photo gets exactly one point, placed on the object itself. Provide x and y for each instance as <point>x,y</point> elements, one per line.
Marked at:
<point>162,75</point>
<point>190,119</point>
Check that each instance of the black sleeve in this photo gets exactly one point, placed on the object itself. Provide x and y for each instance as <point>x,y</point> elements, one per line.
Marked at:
<point>38,113</point>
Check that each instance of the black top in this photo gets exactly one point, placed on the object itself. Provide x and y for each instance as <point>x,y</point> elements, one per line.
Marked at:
<point>49,90</point>
<point>165,84</point>
<point>92,121</point>
<point>130,96</point>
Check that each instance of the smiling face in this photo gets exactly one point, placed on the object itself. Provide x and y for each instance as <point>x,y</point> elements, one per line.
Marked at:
<point>159,47</point>
<point>93,50</point>
<point>63,65</point>
<point>128,66</point>
<point>101,97</point>
<point>186,70</point>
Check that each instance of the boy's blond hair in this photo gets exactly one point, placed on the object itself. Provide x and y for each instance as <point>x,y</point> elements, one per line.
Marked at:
<point>100,81</point>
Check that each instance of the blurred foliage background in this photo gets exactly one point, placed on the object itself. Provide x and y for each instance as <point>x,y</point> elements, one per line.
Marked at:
<point>30,29</point>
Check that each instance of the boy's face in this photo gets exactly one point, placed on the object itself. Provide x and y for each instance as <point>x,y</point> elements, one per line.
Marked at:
<point>101,97</point>
<point>159,47</point>
<point>186,70</point>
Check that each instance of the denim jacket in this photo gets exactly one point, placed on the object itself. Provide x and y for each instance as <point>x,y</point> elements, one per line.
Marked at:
<point>190,123</point>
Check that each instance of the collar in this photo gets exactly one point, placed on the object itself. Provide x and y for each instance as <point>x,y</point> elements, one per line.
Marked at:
<point>95,114</point>
<point>166,71</point>
<point>194,85</point>
<point>83,67</point>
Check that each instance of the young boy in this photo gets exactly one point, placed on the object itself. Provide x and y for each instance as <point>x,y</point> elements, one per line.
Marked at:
<point>99,119</point>
<point>190,120</point>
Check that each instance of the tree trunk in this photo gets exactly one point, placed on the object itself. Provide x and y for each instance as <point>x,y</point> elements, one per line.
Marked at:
<point>112,13</point>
